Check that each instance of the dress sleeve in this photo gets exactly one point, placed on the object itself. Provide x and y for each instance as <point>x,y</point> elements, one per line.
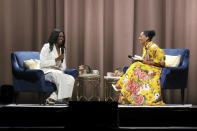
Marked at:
<point>158,55</point>
<point>44,61</point>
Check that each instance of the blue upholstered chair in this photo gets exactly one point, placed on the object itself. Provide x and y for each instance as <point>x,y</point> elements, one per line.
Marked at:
<point>31,80</point>
<point>175,77</point>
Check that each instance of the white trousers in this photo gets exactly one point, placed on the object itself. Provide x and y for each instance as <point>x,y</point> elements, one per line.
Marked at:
<point>63,82</point>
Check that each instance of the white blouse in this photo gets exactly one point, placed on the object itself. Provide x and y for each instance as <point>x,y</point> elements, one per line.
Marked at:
<point>47,59</point>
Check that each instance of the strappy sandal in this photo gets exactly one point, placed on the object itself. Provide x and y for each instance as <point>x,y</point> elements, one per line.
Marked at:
<point>50,101</point>
<point>66,100</point>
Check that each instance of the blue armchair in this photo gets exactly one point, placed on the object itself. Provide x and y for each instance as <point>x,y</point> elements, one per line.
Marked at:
<point>175,77</point>
<point>31,80</point>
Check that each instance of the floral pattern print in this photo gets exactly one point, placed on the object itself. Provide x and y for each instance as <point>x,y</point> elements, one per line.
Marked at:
<point>140,85</point>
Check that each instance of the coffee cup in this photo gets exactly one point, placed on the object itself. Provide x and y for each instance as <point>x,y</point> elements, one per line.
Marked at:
<point>95,72</point>
<point>110,74</point>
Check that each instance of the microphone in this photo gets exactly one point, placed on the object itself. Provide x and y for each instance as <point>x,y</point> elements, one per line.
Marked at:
<point>62,52</point>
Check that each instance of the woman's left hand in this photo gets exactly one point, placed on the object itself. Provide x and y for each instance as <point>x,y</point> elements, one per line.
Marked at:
<point>147,62</point>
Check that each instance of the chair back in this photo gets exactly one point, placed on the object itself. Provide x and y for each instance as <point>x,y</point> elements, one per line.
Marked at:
<point>184,55</point>
<point>18,57</point>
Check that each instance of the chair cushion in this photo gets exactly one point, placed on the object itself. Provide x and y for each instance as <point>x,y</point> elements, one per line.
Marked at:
<point>172,61</point>
<point>32,64</point>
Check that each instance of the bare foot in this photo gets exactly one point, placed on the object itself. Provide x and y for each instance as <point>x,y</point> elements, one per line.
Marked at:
<point>69,99</point>
<point>116,87</point>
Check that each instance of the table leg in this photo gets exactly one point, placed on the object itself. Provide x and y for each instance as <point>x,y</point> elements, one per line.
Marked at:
<point>78,84</point>
<point>105,89</point>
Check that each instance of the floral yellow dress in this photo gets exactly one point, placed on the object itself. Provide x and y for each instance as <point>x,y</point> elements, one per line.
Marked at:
<point>140,85</point>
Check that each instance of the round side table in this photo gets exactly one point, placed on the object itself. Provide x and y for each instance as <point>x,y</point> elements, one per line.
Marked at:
<point>108,81</point>
<point>88,86</point>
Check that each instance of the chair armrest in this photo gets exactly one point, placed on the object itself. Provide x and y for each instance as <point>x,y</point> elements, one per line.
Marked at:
<point>72,72</point>
<point>173,74</point>
<point>125,69</point>
<point>35,73</point>
<point>29,74</point>
<point>169,70</point>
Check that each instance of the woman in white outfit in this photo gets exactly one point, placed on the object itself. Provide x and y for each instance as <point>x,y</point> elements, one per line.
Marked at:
<point>53,63</point>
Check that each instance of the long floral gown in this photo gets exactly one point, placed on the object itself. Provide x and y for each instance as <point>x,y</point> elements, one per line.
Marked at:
<point>140,85</point>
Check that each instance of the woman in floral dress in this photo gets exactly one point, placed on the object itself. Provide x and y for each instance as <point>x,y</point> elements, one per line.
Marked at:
<point>140,85</point>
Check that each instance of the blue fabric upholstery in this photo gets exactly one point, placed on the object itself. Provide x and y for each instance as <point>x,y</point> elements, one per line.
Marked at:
<point>27,80</point>
<point>72,72</point>
<point>31,80</point>
<point>175,77</point>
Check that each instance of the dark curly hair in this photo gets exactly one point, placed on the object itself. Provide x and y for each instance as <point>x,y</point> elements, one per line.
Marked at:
<point>54,38</point>
<point>150,34</point>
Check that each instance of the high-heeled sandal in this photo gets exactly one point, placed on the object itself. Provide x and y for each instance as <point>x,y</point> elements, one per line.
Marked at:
<point>65,101</point>
<point>114,87</point>
<point>50,101</point>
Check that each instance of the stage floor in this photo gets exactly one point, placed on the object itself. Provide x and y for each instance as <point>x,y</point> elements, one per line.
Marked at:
<point>170,116</point>
<point>119,106</point>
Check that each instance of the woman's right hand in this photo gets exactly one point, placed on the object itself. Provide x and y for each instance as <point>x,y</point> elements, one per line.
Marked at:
<point>59,58</point>
<point>56,68</point>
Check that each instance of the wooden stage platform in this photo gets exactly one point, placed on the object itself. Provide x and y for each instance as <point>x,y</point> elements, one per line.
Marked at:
<point>98,114</point>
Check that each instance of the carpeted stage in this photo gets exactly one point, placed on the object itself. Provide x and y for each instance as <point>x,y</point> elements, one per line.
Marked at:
<point>98,115</point>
